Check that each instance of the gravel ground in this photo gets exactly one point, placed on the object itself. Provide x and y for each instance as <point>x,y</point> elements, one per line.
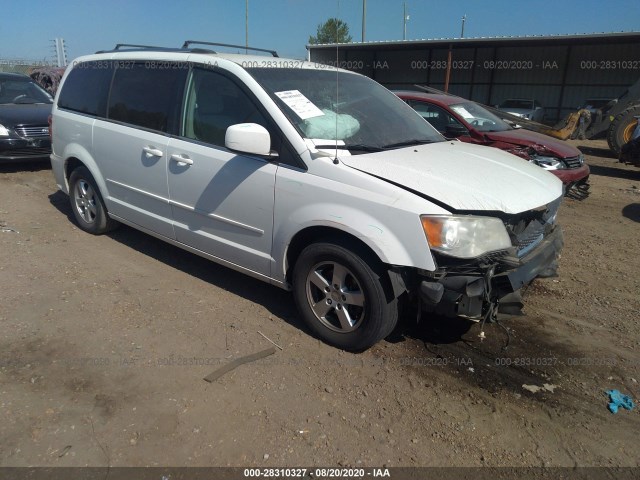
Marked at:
<point>106,340</point>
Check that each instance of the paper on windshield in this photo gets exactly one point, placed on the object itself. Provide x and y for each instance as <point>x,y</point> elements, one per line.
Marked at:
<point>301,105</point>
<point>464,112</point>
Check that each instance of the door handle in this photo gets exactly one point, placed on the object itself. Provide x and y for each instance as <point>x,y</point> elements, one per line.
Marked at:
<point>181,159</point>
<point>152,151</point>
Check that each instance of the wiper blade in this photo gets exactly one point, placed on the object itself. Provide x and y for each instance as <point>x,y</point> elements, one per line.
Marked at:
<point>358,147</point>
<point>408,143</point>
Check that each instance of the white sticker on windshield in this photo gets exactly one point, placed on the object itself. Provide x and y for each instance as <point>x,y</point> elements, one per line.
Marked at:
<point>463,111</point>
<point>301,105</point>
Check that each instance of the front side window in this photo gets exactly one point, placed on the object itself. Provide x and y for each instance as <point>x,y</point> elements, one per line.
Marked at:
<point>148,97</point>
<point>437,116</point>
<point>214,103</point>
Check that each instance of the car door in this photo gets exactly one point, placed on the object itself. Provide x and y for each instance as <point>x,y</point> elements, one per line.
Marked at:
<point>222,201</point>
<point>130,146</point>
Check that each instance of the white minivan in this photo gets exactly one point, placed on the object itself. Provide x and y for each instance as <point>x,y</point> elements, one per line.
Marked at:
<point>315,179</point>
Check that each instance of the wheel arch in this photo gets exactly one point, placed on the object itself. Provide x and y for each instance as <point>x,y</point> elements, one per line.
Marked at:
<point>323,233</point>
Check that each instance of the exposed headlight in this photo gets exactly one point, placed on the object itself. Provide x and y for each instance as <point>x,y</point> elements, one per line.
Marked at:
<point>3,131</point>
<point>549,163</point>
<point>465,236</point>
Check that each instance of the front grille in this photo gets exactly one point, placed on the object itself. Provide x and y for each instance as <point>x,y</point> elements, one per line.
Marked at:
<point>26,152</point>
<point>528,229</point>
<point>573,162</point>
<point>31,131</point>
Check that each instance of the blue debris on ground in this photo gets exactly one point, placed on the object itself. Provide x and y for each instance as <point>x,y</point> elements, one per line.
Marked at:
<point>618,400</point>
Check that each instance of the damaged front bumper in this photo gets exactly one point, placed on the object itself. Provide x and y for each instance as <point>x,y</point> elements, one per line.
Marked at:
<point>480,288</point>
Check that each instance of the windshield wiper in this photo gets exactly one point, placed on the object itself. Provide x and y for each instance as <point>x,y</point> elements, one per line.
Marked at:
<point>357,148</point>
<point>408,143</point>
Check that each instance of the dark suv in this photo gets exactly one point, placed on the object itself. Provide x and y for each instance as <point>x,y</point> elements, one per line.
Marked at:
<point>24,111</point>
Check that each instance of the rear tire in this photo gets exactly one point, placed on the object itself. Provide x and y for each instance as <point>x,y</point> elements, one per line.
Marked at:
<point>622,128</point>
<point>87,204</point>
<point>345,298</point>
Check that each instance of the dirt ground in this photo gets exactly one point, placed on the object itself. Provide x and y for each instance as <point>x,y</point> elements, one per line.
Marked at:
<point>106,340</point>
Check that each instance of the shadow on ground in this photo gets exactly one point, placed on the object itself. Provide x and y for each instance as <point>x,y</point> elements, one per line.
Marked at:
<point>612,171</point>
<point>632,212</point>
<point>597,152</point>
<point>275,300</point>
<point>28,166</point>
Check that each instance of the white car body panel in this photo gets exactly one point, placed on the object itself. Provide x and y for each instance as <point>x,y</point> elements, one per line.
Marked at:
<point>249,223</point>
<point>464,176</point>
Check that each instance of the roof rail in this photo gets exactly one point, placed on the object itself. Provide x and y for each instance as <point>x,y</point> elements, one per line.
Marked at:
<point>189,42</point>
<point>129,45</point>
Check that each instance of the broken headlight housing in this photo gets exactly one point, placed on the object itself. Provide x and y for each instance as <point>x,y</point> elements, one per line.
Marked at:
<point>465,236</point>
<point>548,163</point>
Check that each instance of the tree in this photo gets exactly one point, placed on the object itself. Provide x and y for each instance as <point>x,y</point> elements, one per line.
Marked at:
<point>333,30</point>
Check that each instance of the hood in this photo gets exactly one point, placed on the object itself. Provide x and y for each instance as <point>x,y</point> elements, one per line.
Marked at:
<point>527,138</point>
<point>13,114</point>
<point>463,176</point>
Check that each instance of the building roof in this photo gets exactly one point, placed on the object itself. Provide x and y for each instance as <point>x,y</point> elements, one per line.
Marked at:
<point>577,38</point>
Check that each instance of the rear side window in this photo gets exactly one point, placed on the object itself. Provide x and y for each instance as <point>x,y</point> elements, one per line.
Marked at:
<point>86,88</point>
<point>148,97</point>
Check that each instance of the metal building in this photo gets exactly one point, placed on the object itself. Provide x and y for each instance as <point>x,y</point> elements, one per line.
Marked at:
<point>559,71</point>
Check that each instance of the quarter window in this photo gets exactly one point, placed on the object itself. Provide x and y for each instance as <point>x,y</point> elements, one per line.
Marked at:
<point>86,88</point>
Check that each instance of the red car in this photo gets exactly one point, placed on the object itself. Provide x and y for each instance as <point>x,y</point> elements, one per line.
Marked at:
<point>472,123</point>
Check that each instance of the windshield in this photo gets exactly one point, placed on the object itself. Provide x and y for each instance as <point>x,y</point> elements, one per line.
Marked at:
<point>480,118</point>
<point>524,104</point>
<point>18,91</point>
<point>351,110</point>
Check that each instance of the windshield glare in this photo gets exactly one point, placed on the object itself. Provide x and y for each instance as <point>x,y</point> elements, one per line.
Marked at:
<point>480,118</point>
<point>22,92</point>
<point>352,109</point>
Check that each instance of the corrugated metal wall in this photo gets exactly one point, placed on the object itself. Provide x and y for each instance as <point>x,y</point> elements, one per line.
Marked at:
<point>560,76</point>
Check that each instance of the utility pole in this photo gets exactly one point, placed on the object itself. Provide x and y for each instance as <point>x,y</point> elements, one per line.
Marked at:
<point>246,26</point>
<point>405,17</point>
<point>60,52</point>
<point>464,19</point>
<point>364,17</point>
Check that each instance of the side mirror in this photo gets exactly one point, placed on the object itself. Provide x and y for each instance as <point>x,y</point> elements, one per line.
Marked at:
<point>248,138</point>
<point>455,130</point>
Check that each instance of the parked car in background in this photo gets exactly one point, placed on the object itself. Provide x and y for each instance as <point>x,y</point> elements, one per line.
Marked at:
<point>472,123</point>
<point>24,111</point>
<point>523,107</point>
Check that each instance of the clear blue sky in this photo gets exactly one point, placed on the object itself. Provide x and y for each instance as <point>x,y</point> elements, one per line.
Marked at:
<point>26,28</point>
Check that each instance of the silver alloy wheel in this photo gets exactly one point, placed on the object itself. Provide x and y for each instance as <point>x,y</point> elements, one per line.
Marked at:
<point>335,297</point>
<point>85,199</point>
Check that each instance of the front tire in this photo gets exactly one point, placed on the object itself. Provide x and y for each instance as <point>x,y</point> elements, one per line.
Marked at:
<point>344,299</point>
<point>87,204</point>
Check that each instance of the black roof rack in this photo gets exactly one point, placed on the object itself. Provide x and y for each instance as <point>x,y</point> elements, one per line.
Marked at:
<point>185,47</point>
<point>130,45</point>
<point>189,42</point>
